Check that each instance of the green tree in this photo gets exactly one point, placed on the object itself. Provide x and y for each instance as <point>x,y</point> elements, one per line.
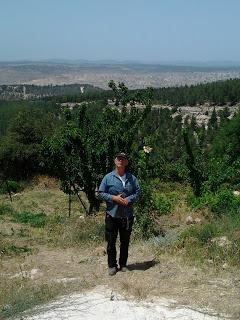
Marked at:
<point>20,148</point>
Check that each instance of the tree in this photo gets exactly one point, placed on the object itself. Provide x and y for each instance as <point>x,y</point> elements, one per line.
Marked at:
<point>20,149</point>
<point>196,177</point>
<point>82,151</point>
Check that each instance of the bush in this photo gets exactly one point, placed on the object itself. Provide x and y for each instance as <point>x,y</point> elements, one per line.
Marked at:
<point>224,202</point>
<point>12,186</point>
<point>199,247</point>
<point>202,233</point>
<point>165,203</point>
<point>144,219</point>
<point>37,220</point>
<point>6,209</point>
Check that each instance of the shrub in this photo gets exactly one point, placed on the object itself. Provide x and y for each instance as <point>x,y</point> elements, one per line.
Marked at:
<point>144,219</point>
<point>225,202</point>
<point>163,204</point>
<point>203,234</point>
<point>6,209</point>
<point>221,203</point>
<point>12,186</point>
<point>37,220</point>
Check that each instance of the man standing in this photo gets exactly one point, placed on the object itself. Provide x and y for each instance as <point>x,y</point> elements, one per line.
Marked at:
<point>120,190</point>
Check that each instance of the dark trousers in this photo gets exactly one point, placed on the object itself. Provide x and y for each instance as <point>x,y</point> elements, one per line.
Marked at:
<point>112,227</point>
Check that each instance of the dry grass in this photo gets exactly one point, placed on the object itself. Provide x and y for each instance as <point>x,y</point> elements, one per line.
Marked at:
<point>27,243</point>
<point>69,255</point>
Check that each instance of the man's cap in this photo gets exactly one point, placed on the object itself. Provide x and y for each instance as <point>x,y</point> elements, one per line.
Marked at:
<point>122,155</point>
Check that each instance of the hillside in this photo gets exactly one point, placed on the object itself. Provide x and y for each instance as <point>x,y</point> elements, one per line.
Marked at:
<point>45,254</point>
<point>29,92</point>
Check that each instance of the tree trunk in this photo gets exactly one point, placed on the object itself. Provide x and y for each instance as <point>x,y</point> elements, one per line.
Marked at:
<point>94,203</point>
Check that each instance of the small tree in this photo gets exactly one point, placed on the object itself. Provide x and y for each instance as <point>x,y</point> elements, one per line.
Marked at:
<point>196,178</point>
<point>82,152</point>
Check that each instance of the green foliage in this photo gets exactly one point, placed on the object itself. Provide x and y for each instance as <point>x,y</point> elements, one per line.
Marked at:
<point>224,158</point>
<point>144,211</point>
<point>12,186</point>
<point>6,209</point>
<point>20,149</point>
<point>227,141</point>
<point>216,242</point>
<point>37,220</point>
<point>218,93</point>
<point>203,234</point>
<point>82,152</point>
<point>164,203</point>
<point>195,175</point>
<point>224,202</point>
<point>15,92</point>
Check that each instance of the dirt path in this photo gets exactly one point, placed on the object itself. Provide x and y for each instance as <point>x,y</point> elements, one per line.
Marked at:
<point>164,287</point>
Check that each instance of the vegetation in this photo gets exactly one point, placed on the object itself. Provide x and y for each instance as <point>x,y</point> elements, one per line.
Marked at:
<point>216,93</point>
<point>184,170</point>
<point>28,91</point>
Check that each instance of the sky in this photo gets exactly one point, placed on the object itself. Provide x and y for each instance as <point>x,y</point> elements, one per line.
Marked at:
<point>136,30</point>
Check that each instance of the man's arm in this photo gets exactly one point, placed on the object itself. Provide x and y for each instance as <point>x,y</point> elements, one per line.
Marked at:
<point>102,194</point>
<point>134,197</point>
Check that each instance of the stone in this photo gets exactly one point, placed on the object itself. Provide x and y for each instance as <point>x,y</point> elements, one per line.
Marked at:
<point>225,266</point>
<point>198,221</point>
<point>221,241</point>
<point>99,251</point>
<point>189,220</point>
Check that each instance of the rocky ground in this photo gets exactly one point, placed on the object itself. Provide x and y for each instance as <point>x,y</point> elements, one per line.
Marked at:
<point>165,287</point>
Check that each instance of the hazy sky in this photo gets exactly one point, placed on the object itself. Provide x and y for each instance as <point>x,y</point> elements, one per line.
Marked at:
<point>143,30</point>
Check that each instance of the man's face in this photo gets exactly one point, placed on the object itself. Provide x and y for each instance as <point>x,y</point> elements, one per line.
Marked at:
<point>121,162</point>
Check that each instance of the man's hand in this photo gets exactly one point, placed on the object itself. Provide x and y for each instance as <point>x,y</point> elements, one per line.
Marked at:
<point>118,199</point>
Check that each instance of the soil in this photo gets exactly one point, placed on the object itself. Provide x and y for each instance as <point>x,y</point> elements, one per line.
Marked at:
<point>150,280</point>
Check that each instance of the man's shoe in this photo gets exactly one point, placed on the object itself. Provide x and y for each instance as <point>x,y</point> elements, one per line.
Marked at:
<point>112,271</point>
<point>124,269</point>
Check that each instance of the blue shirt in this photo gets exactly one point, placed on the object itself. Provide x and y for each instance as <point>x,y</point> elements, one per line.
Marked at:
<point>112,185</point>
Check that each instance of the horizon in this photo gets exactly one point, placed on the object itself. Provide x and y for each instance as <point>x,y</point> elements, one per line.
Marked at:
<point>173,63</point>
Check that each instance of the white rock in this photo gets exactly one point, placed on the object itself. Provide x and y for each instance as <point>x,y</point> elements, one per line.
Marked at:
<point>189,220</point>
<point>101,303</point>
<point>221,241</point>
<point>198,220</point>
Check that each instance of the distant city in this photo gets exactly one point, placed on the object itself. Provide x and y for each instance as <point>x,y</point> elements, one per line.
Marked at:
<point>133,74</point>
